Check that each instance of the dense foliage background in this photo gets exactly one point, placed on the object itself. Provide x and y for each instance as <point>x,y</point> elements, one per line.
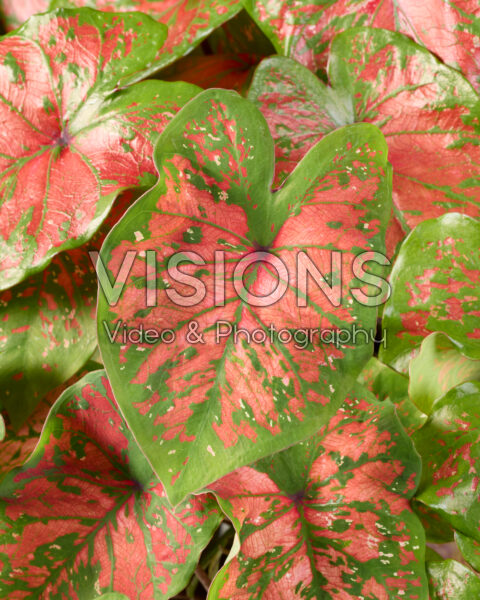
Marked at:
<point>220,466</point>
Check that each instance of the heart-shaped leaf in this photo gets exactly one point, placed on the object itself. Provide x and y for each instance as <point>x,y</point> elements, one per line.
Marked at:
<point>303,29</point>
<point>86,515</point>
<point>435,287</point>
<point>328,518</point>
<point>438,367</point>
<point>449,446</point>
<point>70,142</point>
<point>201,394</point>
<point>48,325</point>
<point>450,580</point>
<point>427,111</point>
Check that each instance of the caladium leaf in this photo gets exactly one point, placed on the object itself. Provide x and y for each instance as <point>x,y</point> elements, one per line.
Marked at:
<point>117,533</point>
<point>449,446</point>
<point>448,29</point>
<point>450,580</point>
<point>420,104</point>
<point>435,287</point>
<point>70,142</point>
<point>47,332</point>
<point>329,517</point>
<point>200,399</point>
<point>48,325</point>
<point>303,29</point>
<point>438,367</point>
<point>188,22</point>
<point>20,443</point>
<point>299,109</point>
<point>387,384</point>
<point>384,78</point>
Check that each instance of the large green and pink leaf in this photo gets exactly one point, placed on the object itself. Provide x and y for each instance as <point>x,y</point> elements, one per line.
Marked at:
<point>435,288</point>
<point>48,325</point>
<point>427,111</point>
<point>75,132</point>
<point>330,517</point>
<point>299,109</point>
<point>449,446</point>
<point>200,410</point>
<point>304,29</point>
<point>86,515</point>
<point>438,367</point>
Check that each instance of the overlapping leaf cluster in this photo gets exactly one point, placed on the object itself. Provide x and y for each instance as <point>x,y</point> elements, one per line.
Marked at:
<point>239,456</point>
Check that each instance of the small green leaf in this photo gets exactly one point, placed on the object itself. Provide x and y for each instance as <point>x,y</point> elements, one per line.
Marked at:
<point>449,444</point>
<point>388,384</point>
<point>437,368</point>
<point>450,580</point>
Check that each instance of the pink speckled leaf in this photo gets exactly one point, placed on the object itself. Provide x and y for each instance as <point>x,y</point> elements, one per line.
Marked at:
<point>427,111</point>
<point>47,324</point>
<point>435,288</point>
<point>188,21</point>
<point>86,515</point>
<point>328,518</point>
<point>303,29</point>
<point>75,132</point>
<point>200,410</point>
